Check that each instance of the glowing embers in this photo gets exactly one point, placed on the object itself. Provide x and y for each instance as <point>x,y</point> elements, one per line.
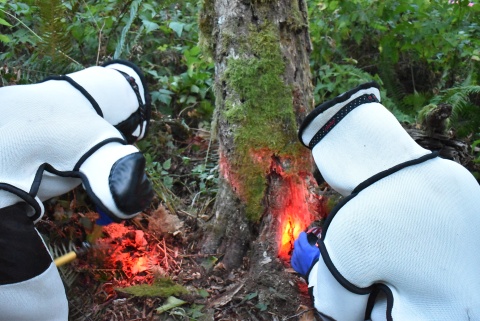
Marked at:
<point>133,256</point>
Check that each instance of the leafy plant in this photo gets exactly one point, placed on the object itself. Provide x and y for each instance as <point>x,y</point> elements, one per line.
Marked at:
<point>161,179</point>
<point>465,102</point>
<point>415,46</point>
<point>476,153</point>
<point>173,307</point>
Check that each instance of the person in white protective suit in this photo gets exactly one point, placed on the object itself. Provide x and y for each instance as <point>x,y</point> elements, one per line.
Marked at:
<point>55,135</point>
<point>404,243</point>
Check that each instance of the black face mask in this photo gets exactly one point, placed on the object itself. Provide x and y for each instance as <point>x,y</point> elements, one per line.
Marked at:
<point>141,117</point>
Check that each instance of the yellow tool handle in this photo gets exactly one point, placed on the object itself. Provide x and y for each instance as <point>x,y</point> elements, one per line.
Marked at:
<point>66,258</point>
<point>70,256</point>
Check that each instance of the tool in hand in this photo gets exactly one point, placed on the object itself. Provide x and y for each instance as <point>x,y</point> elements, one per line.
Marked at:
<point>86,246</point>
<point>72,255</point>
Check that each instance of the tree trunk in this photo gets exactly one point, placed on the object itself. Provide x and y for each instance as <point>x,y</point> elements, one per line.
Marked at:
<point>263,91</point>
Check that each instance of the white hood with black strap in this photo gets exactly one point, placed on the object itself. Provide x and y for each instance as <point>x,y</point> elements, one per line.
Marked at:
<point>73,129</point>
<point>363,139</point>
<point>403,243</point>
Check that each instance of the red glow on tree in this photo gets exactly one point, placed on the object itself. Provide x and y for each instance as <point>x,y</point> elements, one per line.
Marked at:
<point>291,202</point>
<point>293,212</point>
<point>228,174</point>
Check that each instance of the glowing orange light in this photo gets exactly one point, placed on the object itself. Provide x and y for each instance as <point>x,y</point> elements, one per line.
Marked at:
<point>294,217</point>
<point>129,252</point>
<point>295,205</point>
<point>291,228</point>
<point>297,209</point>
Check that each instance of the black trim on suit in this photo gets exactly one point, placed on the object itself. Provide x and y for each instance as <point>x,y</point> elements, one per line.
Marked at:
<point>82,90</point>
<point>376,287</point>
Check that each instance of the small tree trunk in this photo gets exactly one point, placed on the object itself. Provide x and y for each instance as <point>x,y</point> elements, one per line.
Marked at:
<point>263,90</point>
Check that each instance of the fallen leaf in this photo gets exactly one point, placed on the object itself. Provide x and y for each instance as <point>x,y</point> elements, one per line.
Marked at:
<point>172,302</point>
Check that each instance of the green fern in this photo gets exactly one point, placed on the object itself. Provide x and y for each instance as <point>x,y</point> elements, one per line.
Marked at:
<point>465,110</point>
<point>391,83</point>
<point>53,30</point>
<point>133,14</point>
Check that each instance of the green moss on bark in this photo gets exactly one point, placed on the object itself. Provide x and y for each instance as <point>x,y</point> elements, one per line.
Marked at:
<point>295,20</point>
<point>262,106</point>
<point>206,20</point>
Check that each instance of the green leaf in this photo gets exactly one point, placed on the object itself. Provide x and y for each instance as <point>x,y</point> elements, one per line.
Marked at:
<point>203,293</point>
<point>261,306</point>
<point>177,27</point>
<point>194,89</point>
<point>168,181</point>
<point>167,164</point>
<point>209,262</point>
<point>4,22</point>
<point>475,144</point>
<point>4,38</point>
<point>163,95</point>
<point>172,302</point>
<point>150,25</point>
<point>191,100</point>
<point>195,311</point>
<point>250,296</point>
<point>166,91</point>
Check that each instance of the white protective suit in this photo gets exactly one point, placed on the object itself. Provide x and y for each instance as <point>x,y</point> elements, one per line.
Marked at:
<point>54,135</point>
<point>404,244</point>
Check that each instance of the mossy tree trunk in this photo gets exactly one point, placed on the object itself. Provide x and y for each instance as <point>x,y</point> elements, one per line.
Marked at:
<point>263,91</point>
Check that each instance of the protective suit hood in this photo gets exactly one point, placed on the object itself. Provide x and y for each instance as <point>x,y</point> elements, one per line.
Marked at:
<point>353,137</point>
<point>119,91</point>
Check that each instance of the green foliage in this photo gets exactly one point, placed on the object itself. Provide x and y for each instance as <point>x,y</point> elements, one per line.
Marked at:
<point>161,179</point>
<point>3,38</point>
<point>465,101</point>
<point>331,80</point>
<point>476,152</point>
<point>421,52</point>
<point>55,42</point>
<point>159,36</point>
<point>174,309</point>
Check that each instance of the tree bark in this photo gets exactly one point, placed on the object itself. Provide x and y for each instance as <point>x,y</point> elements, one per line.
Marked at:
<point>263,91</point>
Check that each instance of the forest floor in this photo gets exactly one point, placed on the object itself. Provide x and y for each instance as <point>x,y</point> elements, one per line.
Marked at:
<point>149,269</point>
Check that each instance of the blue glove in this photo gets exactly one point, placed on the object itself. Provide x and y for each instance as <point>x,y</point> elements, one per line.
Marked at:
<point>305,255</point>
<point>104,219</point>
